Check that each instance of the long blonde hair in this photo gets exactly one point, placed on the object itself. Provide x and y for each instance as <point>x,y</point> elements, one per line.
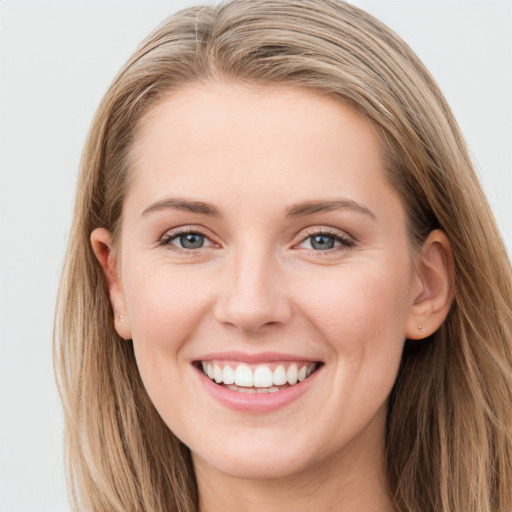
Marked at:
<point>449,429</point>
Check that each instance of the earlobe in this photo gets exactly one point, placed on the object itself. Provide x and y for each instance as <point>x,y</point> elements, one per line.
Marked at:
<point>433,295</point>
<point>101,241</point>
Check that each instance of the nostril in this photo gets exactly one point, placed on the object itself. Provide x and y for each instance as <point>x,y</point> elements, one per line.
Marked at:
<point>254,296</point>
<point>253,318</point>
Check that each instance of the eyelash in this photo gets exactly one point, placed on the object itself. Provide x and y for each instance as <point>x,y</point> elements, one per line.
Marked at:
<point>345,242</point>
<point>168,238</point>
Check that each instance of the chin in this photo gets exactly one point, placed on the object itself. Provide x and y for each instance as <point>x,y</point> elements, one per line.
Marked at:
<point>265,465</point>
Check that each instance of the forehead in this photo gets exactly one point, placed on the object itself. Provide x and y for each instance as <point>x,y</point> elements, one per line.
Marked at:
<point>208,111</point>
<point>229,138</point>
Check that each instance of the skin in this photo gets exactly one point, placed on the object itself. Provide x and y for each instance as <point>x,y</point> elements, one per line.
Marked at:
<point>258,284</point>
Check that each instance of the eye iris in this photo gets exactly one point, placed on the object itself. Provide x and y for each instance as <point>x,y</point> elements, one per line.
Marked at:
<point>191,241</point>
<point>322,242</point>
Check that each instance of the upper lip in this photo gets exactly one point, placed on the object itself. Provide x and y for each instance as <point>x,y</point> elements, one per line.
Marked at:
<point>261,357</point>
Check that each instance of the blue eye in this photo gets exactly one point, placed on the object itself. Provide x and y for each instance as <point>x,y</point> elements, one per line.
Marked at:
<point>189,240</point>
<point>325,242</point>
<point>322,242</point>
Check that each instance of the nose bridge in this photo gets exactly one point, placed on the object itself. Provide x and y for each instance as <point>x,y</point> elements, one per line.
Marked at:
<point>254,295</point>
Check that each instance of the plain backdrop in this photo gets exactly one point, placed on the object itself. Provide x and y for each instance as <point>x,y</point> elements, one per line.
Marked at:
<point>57,59</point>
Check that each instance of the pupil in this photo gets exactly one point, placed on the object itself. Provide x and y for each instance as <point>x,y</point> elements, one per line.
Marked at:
<point>322,242</point>
<point>191,241</point>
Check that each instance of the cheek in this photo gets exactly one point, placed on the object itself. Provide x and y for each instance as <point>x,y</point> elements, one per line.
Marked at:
<point>165,308</point>
<point>361,312</point>
<point>359,299</point>
<point>162,301</point>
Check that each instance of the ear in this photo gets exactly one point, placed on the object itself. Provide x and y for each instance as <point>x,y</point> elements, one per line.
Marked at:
<point>434,289</point>
<point>101,241</point>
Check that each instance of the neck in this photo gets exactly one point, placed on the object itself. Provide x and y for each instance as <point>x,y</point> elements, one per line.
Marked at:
<point>348,482</point>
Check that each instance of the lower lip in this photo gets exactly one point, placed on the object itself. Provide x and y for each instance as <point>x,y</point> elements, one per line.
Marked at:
<point>256,402</point>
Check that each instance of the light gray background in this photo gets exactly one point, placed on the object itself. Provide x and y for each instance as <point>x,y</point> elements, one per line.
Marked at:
<point>56,61</point>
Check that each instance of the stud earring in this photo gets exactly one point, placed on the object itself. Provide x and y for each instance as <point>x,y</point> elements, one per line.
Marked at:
<point>420,328</point>
<point>121,318</point>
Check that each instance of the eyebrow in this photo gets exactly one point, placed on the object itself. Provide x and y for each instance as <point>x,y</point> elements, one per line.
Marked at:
<point>184,205</point>
<point>312,207</point>
<point>297,210</point>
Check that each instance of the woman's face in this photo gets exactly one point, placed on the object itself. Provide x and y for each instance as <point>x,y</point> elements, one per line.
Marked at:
<point>261,243</point>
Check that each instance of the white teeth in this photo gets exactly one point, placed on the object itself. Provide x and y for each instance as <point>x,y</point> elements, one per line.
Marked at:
<point>243,389</point>
<point>228,375</point>
<point>263,377</point>
<point>247,390</point>
<point>243,376</point>
<point>291,374</point>
<point>217,374</point>
<point>262,380</point>
<point>279,376</point>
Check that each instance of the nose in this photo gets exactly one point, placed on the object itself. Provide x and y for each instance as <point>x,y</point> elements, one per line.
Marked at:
<point>254,294</point>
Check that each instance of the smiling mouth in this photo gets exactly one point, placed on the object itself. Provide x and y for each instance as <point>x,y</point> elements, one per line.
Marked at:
<point>259,378</point>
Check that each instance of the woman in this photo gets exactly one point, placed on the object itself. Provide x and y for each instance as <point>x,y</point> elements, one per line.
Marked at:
<point>284,286</point>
